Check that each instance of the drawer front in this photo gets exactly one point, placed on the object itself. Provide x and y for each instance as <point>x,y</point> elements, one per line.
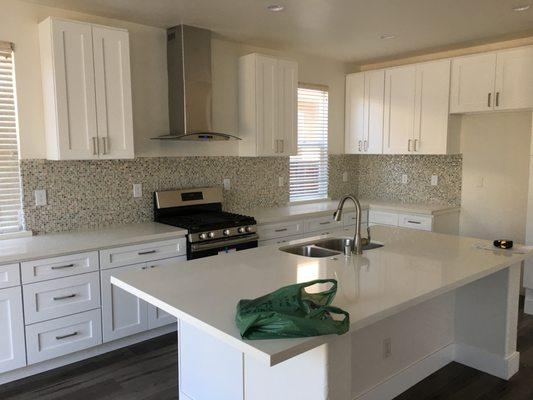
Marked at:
<point>59,267</point>
<point>284,240</point>
<point>9,275</point>
<point>348,218</point>
<point>336,230</point>
<point>61,297</point>
<point>128,255</point>
<point>421,222</point>
<point>382,218</point>
<point>273,231</point>
<point>58,337</point>
<point>321,223</point>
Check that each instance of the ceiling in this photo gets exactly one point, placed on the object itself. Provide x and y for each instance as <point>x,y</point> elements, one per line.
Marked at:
<point>347,30</point>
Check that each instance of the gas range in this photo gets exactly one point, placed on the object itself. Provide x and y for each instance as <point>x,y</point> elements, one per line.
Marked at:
<point>211,231</point>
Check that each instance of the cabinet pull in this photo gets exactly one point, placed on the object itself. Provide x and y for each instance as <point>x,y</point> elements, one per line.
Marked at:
<point>324,223</point>
<point>489,100</point>
<point>95,146</point>
<point>67,336</point>
<point>282,146</point>
<point>414,222</point>
<point>497,99</point>
<point>409,144</point>
<point>143,253</point>
<point>365,145</point>
<point>416,145</point>
<point>62,266</point>
<point>359,145</point>
<point>281,230</point>
<point>104,145</point>
<point>68,296</point>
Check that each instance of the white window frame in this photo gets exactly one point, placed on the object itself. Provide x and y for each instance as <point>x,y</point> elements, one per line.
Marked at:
<point>308,142</point>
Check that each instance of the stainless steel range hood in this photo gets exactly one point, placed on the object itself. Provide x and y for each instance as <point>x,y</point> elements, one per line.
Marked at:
<point>189,85</point>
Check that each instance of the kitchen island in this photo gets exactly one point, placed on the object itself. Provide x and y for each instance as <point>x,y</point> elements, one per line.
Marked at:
<point>417,303</point>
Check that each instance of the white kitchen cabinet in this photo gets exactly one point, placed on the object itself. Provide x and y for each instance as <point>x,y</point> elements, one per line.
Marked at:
<point>123,314</point>
<point>493,81</point>
<point>9,275</point>
<point>267,106</point>
<point>364,112</point>
<point>87,90</point>
<point>12,344</point>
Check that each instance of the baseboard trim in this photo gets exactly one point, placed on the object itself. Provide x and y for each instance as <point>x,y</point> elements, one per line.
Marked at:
<point>493,364</point>
<point>83,355</point>
<point>409,376</point>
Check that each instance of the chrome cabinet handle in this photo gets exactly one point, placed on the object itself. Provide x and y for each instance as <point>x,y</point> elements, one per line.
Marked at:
<point>104,145</point>
<point>414,222</point>
<point>497,99</point>
<point>281,230</point>
<point>365,145</point>
<point>489,100</point>
<point>95,146</point>
<point>409,144</point>
<point>359,146</point>
<point>68,296</point>
<point>282,146</point>
<point>67,336</point>
<point>143,253</point>
<point>324,223</point>
<point>62,266</point>
<point>416,145</point>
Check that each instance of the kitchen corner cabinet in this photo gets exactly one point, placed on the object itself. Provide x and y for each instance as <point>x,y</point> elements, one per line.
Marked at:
<point>87,90</point>
<point>267,106</point>
<point>364,112</point>
<point>500,80</point>
<point>12,343</point>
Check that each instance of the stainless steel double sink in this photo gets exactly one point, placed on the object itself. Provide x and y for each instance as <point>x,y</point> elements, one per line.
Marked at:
<point>325,247</point>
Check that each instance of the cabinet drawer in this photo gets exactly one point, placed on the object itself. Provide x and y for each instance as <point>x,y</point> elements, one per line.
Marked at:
<point>348,218</point>
<point>422,222</point>
<point>61,297</point>
<point>321,223</point>
<point>382,218</point>
<point>62,336</point>
<point>283,240</point>
<point>128,255</point>
<point>9,275</point>
<point>273,231</point>
<point>59,267</point>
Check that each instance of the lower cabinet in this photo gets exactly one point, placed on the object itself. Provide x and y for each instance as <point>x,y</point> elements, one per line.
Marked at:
<point>12,346</point>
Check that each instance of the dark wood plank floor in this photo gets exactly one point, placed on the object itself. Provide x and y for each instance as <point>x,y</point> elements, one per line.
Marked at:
<point>148,371</point>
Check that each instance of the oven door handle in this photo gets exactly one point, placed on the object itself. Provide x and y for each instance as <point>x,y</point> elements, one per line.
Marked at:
<point>223,243</point>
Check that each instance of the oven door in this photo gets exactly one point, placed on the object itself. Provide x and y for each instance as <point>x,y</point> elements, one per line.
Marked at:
<point>206,249</point>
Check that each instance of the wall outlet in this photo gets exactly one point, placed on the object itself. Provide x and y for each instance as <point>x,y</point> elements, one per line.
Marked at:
<point>137,190</point>
<point>40,197</point>
<point>387,348</point>
<point>404,179</point>
<point>280,181</point>
<point>345,176</point>
<point>227,184</point>
<point>434,180</point>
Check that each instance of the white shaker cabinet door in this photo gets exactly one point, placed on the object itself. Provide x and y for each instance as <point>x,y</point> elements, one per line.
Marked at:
<point>514,79</point>
<point>374,103</point>
<point>472,87</point>
<point>123,314</point>
<point>400,93</point>
<point>287,107</point>
<point>113,92</point>
<point>67,50</point>
<point>355,111</point>
<point>12,344</point>
<point>266,106</point>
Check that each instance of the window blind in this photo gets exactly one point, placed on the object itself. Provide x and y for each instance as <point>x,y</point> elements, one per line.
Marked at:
<point>309,169</point>
<point>10,192</point>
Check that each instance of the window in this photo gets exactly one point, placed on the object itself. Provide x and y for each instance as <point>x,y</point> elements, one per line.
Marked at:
<point>309,169</point>
<point>10,193</point>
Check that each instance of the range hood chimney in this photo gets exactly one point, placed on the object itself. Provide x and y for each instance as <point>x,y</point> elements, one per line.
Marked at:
<point>189,85</point>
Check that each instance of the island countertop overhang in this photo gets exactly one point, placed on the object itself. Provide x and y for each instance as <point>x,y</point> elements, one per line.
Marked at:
<point>411,268</point>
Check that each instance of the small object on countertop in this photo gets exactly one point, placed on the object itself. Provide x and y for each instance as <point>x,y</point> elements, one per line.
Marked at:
<point>292,312</point>
<point>503,244</point>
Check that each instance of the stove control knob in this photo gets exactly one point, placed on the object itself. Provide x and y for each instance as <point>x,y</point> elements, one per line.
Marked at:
<point>248,229</point>
<point>203,236</point>
<point>241,230</point>
<point>226,232</point>
<point>211,235</point>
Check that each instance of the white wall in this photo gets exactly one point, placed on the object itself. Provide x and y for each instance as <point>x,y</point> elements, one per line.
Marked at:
<point>18,24</point>
<point>495,148</point>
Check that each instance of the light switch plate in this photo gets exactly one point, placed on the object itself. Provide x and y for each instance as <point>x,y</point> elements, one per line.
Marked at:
<point>345,176</point>
<point>40,197</point>
<point>404,179</point>
<point>227,184</point>
<point>137,190</point>
<point>434,180</point>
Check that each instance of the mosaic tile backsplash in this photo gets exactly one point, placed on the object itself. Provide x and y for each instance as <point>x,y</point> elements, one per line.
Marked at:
<point>92,194</point>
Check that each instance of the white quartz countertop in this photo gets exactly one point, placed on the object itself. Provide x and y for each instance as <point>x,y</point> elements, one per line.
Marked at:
<point>34,247</point>
<point>412,267</point>
<point>296,211</point>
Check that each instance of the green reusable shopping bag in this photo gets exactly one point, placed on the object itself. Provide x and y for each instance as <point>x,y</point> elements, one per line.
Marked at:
<point>291,312</point>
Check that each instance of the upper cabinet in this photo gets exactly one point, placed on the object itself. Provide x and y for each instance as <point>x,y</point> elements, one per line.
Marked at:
<point>493,81</point>
<point>364,112</point>
<point>267,106</point>
<point>87,90</point>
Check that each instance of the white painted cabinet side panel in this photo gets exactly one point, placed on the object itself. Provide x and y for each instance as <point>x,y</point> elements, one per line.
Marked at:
<point>12,344</point>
